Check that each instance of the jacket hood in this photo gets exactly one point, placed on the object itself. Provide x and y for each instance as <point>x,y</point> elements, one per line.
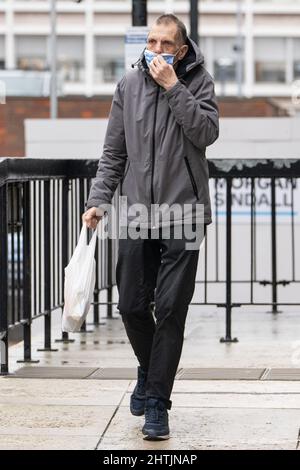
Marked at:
<point>192,58</point>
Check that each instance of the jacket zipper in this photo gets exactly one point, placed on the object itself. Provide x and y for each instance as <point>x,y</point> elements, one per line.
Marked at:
<point>153,145</point>
<point>191,177</point>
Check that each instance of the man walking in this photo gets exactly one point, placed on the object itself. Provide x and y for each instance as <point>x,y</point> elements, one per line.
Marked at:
<point>163,116</point>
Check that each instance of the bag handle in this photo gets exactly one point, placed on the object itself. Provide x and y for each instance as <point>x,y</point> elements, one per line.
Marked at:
<point>92,244</point>
<point>83,237</point>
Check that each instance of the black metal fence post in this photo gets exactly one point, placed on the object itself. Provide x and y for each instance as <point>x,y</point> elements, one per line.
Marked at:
<point>109,277</point>
<point>47,269</point>
<point>228,307</point>
<point>252,228</point>
<point>83,328</point>
<point>65,245</point>
<point>273,247</point>
<point>3,281</point>
<point>139,13</point>
<point>27,318</point>
<point>194,19</point>
<point>96,291</point>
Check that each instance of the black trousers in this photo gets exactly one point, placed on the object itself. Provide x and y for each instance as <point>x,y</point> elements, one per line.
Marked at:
<point>157,268</point>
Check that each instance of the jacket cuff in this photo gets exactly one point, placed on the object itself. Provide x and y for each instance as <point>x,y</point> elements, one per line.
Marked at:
<point>173,89</point>
<point>95,203</point>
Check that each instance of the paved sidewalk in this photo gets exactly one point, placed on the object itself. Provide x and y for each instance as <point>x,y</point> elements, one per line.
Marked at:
<point>92,413</point>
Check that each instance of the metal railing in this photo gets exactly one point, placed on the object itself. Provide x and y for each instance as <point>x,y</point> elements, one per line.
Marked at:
<point>41,202</point>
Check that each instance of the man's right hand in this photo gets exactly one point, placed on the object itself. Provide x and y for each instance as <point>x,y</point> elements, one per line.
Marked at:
<point>92,216</point>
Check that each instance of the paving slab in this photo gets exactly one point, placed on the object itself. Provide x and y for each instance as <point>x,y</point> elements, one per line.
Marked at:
<point>36,442</point>
<point>55,372</point>
<point>214,428</point>
<point>62,392</point>
<point>230,400</point>
<point>282,374</point>
<point>233,386</point>
<point>111,373</point>
<point>217,373</point>
<point>54,419</point>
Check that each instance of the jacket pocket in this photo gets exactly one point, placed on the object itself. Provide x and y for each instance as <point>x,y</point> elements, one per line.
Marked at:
<point>192,179</point>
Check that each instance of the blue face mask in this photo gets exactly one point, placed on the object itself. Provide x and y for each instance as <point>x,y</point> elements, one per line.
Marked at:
<point>149,56</point>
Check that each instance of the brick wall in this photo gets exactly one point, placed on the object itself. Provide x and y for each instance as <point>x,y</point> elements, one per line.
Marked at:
<point>16,109</point>
<point>254,107</point>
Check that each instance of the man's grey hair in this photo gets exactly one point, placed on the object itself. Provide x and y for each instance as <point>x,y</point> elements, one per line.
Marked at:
<point>181,29</point>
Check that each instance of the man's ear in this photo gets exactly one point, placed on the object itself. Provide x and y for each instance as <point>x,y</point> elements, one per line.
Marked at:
<point>183,52</point>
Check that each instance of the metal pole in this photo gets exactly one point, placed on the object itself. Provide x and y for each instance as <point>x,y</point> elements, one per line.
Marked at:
<point>53,91</point>
<point>273,247</point>
<point>109,278</point>
<point>194,14</point>
<point>228,338</point>
<point>65,244</point>
<point>47,270</point>
<point>27,317</point>
<point>239,49</point>
<point>4,281</point>
<point>139,12</point>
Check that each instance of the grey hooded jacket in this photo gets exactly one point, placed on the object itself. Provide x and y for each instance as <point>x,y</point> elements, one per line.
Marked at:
<point>155,143</point>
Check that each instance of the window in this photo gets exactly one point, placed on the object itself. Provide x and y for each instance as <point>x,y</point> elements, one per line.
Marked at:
<point>109,60</point>
<point>31,52</point>
<point>70,58</point>
<point>296,58</point>
<point>270,56</point>
<point>225,59</point>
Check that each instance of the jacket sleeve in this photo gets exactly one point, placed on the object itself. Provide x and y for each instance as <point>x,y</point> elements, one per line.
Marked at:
<point>197,113</point>
<point>113,160</point>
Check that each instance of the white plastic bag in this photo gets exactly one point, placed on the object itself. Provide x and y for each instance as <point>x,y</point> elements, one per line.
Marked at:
<point>80,275</point>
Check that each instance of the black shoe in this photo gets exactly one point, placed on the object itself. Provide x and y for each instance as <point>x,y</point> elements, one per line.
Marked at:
<point>138,397</point>
<point>156,427</point>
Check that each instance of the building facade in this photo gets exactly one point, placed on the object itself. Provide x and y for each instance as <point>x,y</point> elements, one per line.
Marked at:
<point>257,40</point>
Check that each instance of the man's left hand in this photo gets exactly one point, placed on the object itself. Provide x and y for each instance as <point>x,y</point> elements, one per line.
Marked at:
<point>163,73</point>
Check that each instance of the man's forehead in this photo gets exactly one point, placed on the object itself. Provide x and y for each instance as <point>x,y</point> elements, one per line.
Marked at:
<point>163,31</point>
